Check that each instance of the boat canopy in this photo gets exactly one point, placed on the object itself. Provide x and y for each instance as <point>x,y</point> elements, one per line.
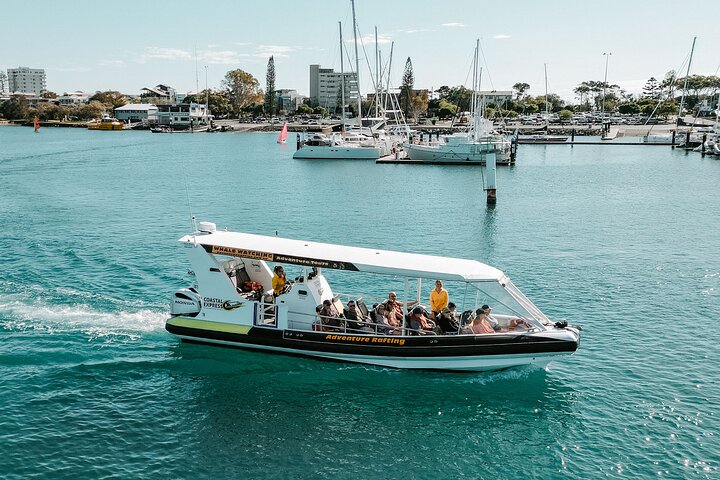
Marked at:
<point>327,255</point>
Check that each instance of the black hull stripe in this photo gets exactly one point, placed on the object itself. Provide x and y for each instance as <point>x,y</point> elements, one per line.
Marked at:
<point>446,346</point>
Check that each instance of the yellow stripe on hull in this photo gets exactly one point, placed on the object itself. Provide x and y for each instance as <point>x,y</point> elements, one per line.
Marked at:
<point>210,326</point>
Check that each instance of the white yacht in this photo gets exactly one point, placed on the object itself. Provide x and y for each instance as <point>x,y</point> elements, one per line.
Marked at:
<point>476,145</point>
<point>232,303</point>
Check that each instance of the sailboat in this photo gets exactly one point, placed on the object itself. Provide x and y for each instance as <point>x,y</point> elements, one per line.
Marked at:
<point>365,142</point>
<point>282,138</point>
<point>544,137</point>
<point>36,124</point>
<point>475,146</point>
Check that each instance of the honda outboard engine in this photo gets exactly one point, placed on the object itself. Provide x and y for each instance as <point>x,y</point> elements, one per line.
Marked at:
<point>185,302</point>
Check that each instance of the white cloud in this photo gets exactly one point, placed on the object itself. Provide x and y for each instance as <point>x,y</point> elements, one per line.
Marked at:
<point>414,30</point>
<point>70,69</point>
<point>221,57</point>
<point>453,24</point>
<point>501,36</point>
<point>274,50</point>
<point>369,39</point>
<point>111,63</point>
<point>161,53</point>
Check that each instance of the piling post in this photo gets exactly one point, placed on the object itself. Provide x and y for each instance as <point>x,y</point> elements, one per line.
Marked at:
<point>687,139</point>
<point>702,147</point>
<point>572,136</point>
<point>298,142</point>
<point>672,142</point>
<point>490,167</point>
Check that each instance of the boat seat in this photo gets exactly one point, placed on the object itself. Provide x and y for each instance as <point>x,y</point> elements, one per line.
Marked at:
<point>241,275</point>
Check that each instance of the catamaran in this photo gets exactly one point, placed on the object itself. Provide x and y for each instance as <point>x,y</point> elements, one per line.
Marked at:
<point>233,302</point>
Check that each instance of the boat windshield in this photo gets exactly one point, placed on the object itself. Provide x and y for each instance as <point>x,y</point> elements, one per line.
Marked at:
<point>506,299</point>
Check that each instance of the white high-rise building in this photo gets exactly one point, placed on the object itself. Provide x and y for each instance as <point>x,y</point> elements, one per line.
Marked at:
<point>26,80</point>
<point>325,86</point>
<point>3,82</point>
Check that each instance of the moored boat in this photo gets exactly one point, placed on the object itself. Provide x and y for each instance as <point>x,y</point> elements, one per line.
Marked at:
<point>107,123</point>
<point>233,303</point>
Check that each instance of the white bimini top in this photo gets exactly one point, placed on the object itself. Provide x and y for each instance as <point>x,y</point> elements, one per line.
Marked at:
<point>340,257</point>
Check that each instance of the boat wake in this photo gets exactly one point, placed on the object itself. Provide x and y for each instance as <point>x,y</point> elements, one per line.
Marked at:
<point>23,313</point>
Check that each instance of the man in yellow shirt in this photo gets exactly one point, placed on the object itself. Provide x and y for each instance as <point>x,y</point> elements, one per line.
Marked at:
<point>438,298</point>
<point>279,280</point>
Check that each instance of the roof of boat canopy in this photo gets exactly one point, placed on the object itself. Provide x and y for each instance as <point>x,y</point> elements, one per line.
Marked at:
<point>340,257</point>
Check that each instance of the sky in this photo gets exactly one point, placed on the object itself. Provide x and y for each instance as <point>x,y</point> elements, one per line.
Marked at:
<point>125,46</point>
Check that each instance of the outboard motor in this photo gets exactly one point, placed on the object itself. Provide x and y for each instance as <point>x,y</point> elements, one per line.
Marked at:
<point>185,302</point>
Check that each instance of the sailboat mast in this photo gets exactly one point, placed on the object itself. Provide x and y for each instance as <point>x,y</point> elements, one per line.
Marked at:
<point>474,113</point>
<point>342,78</point>
<point>357,67</point>
<point>682,98</point>
<point>377,75</point>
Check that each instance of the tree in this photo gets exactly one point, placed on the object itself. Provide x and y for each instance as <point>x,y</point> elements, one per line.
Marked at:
<point>304,109</point>
<point>446,109</point>
<point>92,109</point>
<point>406,88</point>
<point>49,94</point>
<point>565,115</point>
<point>16,108</point>
<point>270,87</point>
<point>520,88</point>
<point>651,88</point>
<point>243,90</point>
<point>218,102</point>
<point>668,83</point>
<point>110,98</point>
<point>419,103</point>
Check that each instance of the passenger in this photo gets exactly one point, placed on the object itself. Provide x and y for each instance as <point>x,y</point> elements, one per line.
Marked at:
<point>446,319</point>
<point>356,320</point>
<point>279,280</point>
<point>438,298</point>
<point>420,323</point>
<point>386,317</point>
<point>480,325</point>
<point>330,318</point>
<point>519,325</point>
<point>493,322</point>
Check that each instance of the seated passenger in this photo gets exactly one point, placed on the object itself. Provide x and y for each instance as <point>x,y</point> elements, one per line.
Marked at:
<point>279,280</point>
<point>330,318</point>
<point>493,323</point>
<point>420,323</point>
<point>356,319</point>
<point>446,320</point>
<point>386,316</point>
<point>480,325</point>
<point>519,325</point>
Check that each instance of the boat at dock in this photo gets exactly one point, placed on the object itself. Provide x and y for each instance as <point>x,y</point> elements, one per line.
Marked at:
<point>234,302</point>
<point>107,123</point>
<point>475,146</point>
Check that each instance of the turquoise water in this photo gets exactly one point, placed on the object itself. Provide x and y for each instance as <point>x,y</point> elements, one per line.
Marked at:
<point>621,240</point>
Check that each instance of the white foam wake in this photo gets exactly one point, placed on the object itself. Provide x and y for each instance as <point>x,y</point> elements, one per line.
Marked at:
<point>19,312</point>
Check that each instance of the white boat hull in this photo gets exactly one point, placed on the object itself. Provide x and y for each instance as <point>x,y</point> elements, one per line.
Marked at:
<point>338,153</point>
<point>464,153</point>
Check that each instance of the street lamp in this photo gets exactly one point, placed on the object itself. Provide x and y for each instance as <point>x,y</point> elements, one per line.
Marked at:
<point>607,57</point>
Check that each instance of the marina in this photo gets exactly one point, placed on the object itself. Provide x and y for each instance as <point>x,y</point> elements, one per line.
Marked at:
<point>593,235</point>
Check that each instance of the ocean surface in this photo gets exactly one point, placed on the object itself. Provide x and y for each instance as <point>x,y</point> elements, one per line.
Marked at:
<point>622,240</point>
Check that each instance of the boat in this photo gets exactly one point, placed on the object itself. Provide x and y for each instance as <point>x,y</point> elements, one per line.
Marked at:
<point>544,137</point>
<point>107,123</point>
<point>282,138</point>
<point>366,140</point>
<point>474,146</point>
<point>231,303</point>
